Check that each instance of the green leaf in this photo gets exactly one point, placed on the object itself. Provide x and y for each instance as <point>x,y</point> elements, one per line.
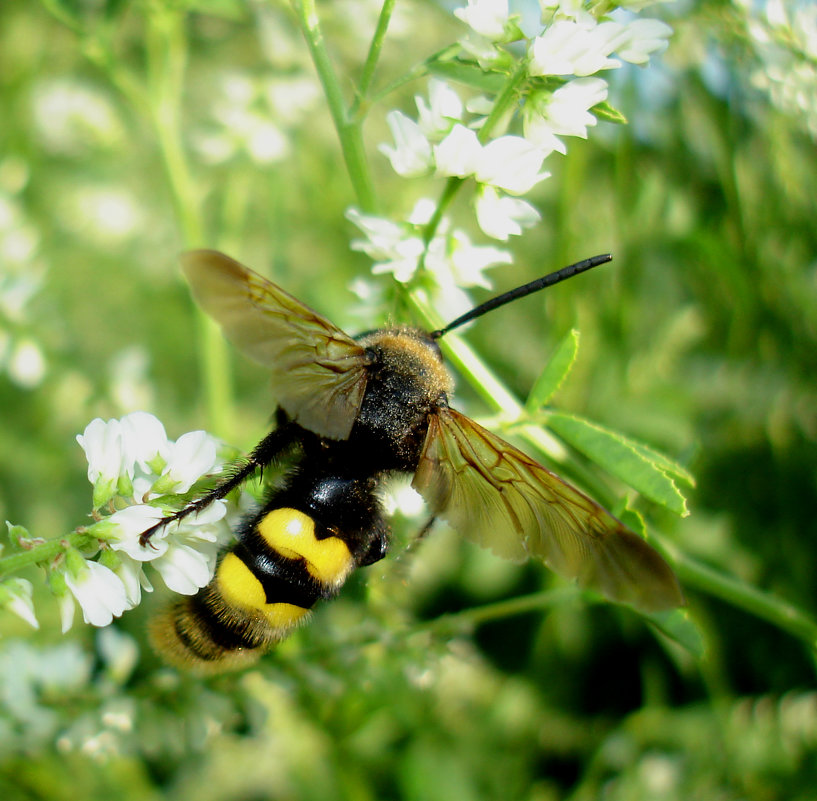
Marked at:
<point>631,461</point>
<point>604,111</point>
<point>633,519</point>
<point>678,625</point>
<point>469,74</point>
<point>555,372</point>
<point>664,463</point>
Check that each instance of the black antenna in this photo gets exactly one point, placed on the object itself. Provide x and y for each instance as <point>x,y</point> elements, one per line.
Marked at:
<point>526,289</point>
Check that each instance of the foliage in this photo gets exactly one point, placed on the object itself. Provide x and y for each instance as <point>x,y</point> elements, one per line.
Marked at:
<point>136,130</point>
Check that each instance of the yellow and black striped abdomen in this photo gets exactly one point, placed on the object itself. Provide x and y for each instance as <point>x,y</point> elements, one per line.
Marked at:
<point>263,587</point>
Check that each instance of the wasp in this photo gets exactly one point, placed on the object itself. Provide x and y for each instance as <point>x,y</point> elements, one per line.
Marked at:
<point>351,412</point>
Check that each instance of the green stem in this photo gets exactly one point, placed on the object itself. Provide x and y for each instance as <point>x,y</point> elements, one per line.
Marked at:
<point>367,76</point>
<point>704,578</point>
<point>468,618</point>
<point>452,186</point>
<point>504,101</point>
<point>349,132</point>
<point>166,66</point>
<point>45,552</point>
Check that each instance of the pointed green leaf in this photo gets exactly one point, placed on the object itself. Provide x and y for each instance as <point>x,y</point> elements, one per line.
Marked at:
<point>664,463</point>
<point>555,372</point>
<point>604,111</point>
<point>627,459</point>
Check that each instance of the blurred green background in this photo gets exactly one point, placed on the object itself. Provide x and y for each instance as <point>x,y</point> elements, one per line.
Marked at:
<point>132,130</point>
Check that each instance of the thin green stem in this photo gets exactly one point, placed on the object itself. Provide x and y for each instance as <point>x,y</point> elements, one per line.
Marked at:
<point>367,76</point>
<point>166,68</point>
<point>349,131</point>
<point>44,552</point>
<point>505,101</point>
<point>458,622</point>
<point>417,71</point>
<point>166,47</point>
<point>520,605</point>
<point>738,593</point>
<point>452,186</point>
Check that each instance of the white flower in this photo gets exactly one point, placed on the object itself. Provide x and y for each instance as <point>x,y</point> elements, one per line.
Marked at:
<point>266,143</point>
<point>99,591</point>
<point>243,124</point>
<point>458,154</point>
<point>382,235</point>
<point>26,364</point>
<point>114,449</point>
<point>73,118</point>
<point>422,212</point>
<point>133,578</point>
<point>143,440</point>
<point>572,48</point>
<point>539,131</point>
<point>186,569</point>
<point>454,261</point>
<point>191,456</point>
<point>411,155</point>
<point>483,50</point>
<point>570,9</point>
<point>500,216</point>
<point>435,120</point>
<point>511,163</point>
<point>404,261</point>
<point>126,526</point>
<point>468,262</point>
<point>568,109</point>
<point>644,37</point>
<point>487,17</point>
<point>564,112</point>
<point>66,606</point>
<point>391,246</point>
<point>102,443</point>
<point>15,595</point>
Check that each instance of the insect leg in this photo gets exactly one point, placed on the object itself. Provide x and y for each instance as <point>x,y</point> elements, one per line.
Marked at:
<point>377,549</point>
<point>270,448</point>
<point>422,533</point>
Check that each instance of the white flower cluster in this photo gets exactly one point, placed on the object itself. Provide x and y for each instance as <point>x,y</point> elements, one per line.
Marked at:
<point>785,39</point>
<point>440,142</point>
<point>450,256</point>
<point>21,277</point>
<point>554,99</point>
<point>251,115</point>
<point>131,463</point>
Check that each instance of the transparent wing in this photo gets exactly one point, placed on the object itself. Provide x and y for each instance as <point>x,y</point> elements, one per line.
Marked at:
<point>498,497</point>
<point>319,373</point>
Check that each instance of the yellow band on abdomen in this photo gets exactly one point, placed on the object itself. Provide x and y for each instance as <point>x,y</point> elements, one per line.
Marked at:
<point>292,534</point>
